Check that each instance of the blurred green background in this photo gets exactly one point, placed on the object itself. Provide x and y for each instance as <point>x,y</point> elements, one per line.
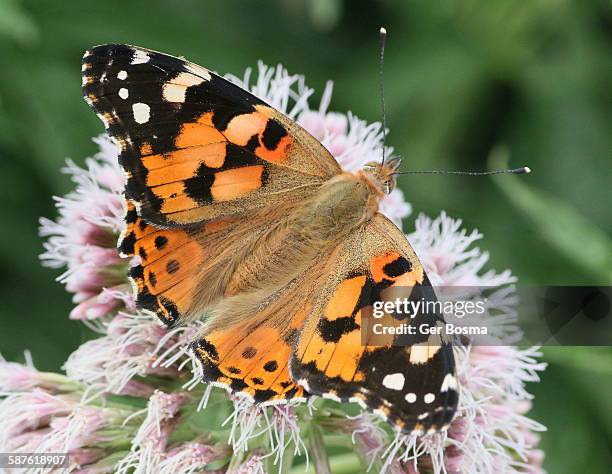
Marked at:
<point>467,83</point>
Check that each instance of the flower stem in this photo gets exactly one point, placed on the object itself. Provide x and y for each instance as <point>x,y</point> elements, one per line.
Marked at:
<point>318,450</point>
<point>235,462</point>
<point>340,464</point>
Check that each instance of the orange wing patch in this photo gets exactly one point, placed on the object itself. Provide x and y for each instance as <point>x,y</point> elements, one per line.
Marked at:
<point>333,346</point>
<point>239,182</point>
<point>165,280</point>
<point>200,132</point>
<point>260,132</point>
<point>183,164</point>
<point>395,269</point>
<point>344,298</point>
<point>207,166</point>
<point>252,360</point>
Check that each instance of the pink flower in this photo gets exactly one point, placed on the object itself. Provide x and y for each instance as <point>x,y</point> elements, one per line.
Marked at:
<point>134,345</point>
<point>190,458</point>
<point>253,465</point>
<point>84,456</point>
<point>25,413</point>
<point>150,442</point>
<point>81,428</point>
<point>367,435</point>
<point>84,237</point>
<point>17,377</point>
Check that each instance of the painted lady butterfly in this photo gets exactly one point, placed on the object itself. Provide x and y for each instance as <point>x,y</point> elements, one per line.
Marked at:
<point>240,216</point>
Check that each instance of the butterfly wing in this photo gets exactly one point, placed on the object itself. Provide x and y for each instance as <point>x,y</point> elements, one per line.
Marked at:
<point>183,271</point>
<point>194,146</point>
<point>164,280</point>
<point>411,383</point>
<point>252,357</point>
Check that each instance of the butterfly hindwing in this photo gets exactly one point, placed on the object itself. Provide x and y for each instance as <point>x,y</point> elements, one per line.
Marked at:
<point>165,278</point>
<point>194,146</point>
<point>183,271</point>
<point>251,357</point>
<point>410,382</point>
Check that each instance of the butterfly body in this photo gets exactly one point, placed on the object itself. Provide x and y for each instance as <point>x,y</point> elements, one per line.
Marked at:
<point>295,243</point>
<point>242,219</point>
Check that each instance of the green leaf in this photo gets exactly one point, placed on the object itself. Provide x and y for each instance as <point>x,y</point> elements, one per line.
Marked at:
<point>16,24</point>
<point>325,14</point>
<point>575,407</point>
<point>585,359</point>
<point>568,231</point>
<point>340,464</point>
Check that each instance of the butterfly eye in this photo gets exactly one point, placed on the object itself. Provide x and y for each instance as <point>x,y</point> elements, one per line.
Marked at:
<point>370,168</point>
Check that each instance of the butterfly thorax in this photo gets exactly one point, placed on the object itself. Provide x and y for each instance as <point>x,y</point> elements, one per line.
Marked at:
<point>307,233</point>
<point>343,203</point>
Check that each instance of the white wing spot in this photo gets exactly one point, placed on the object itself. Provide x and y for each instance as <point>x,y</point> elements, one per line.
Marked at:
<point>429,397</point>
<point>421,353</point>
<point>359,401</point>
<point>198,71</point>
<point>140,57</point>
<point>410,397</point>
<point>394,381</point>
<point>123,93</point>
<point>142,112</point>
<point>121,75</point>
<point>332,396</point>
<point>380,413</point>
<point>175,91</point>
<point>449,382</point>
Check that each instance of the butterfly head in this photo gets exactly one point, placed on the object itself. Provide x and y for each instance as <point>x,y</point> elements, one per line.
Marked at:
<point>383,174</point>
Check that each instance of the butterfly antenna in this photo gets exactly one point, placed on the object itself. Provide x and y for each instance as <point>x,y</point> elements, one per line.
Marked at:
<point>521,170</point>
<point>383,40</point>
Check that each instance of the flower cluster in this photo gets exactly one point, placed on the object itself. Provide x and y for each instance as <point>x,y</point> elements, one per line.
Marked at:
<point>131,400</point>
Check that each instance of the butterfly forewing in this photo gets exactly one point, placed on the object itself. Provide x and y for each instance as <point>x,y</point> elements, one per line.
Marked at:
<point>194,146</point>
